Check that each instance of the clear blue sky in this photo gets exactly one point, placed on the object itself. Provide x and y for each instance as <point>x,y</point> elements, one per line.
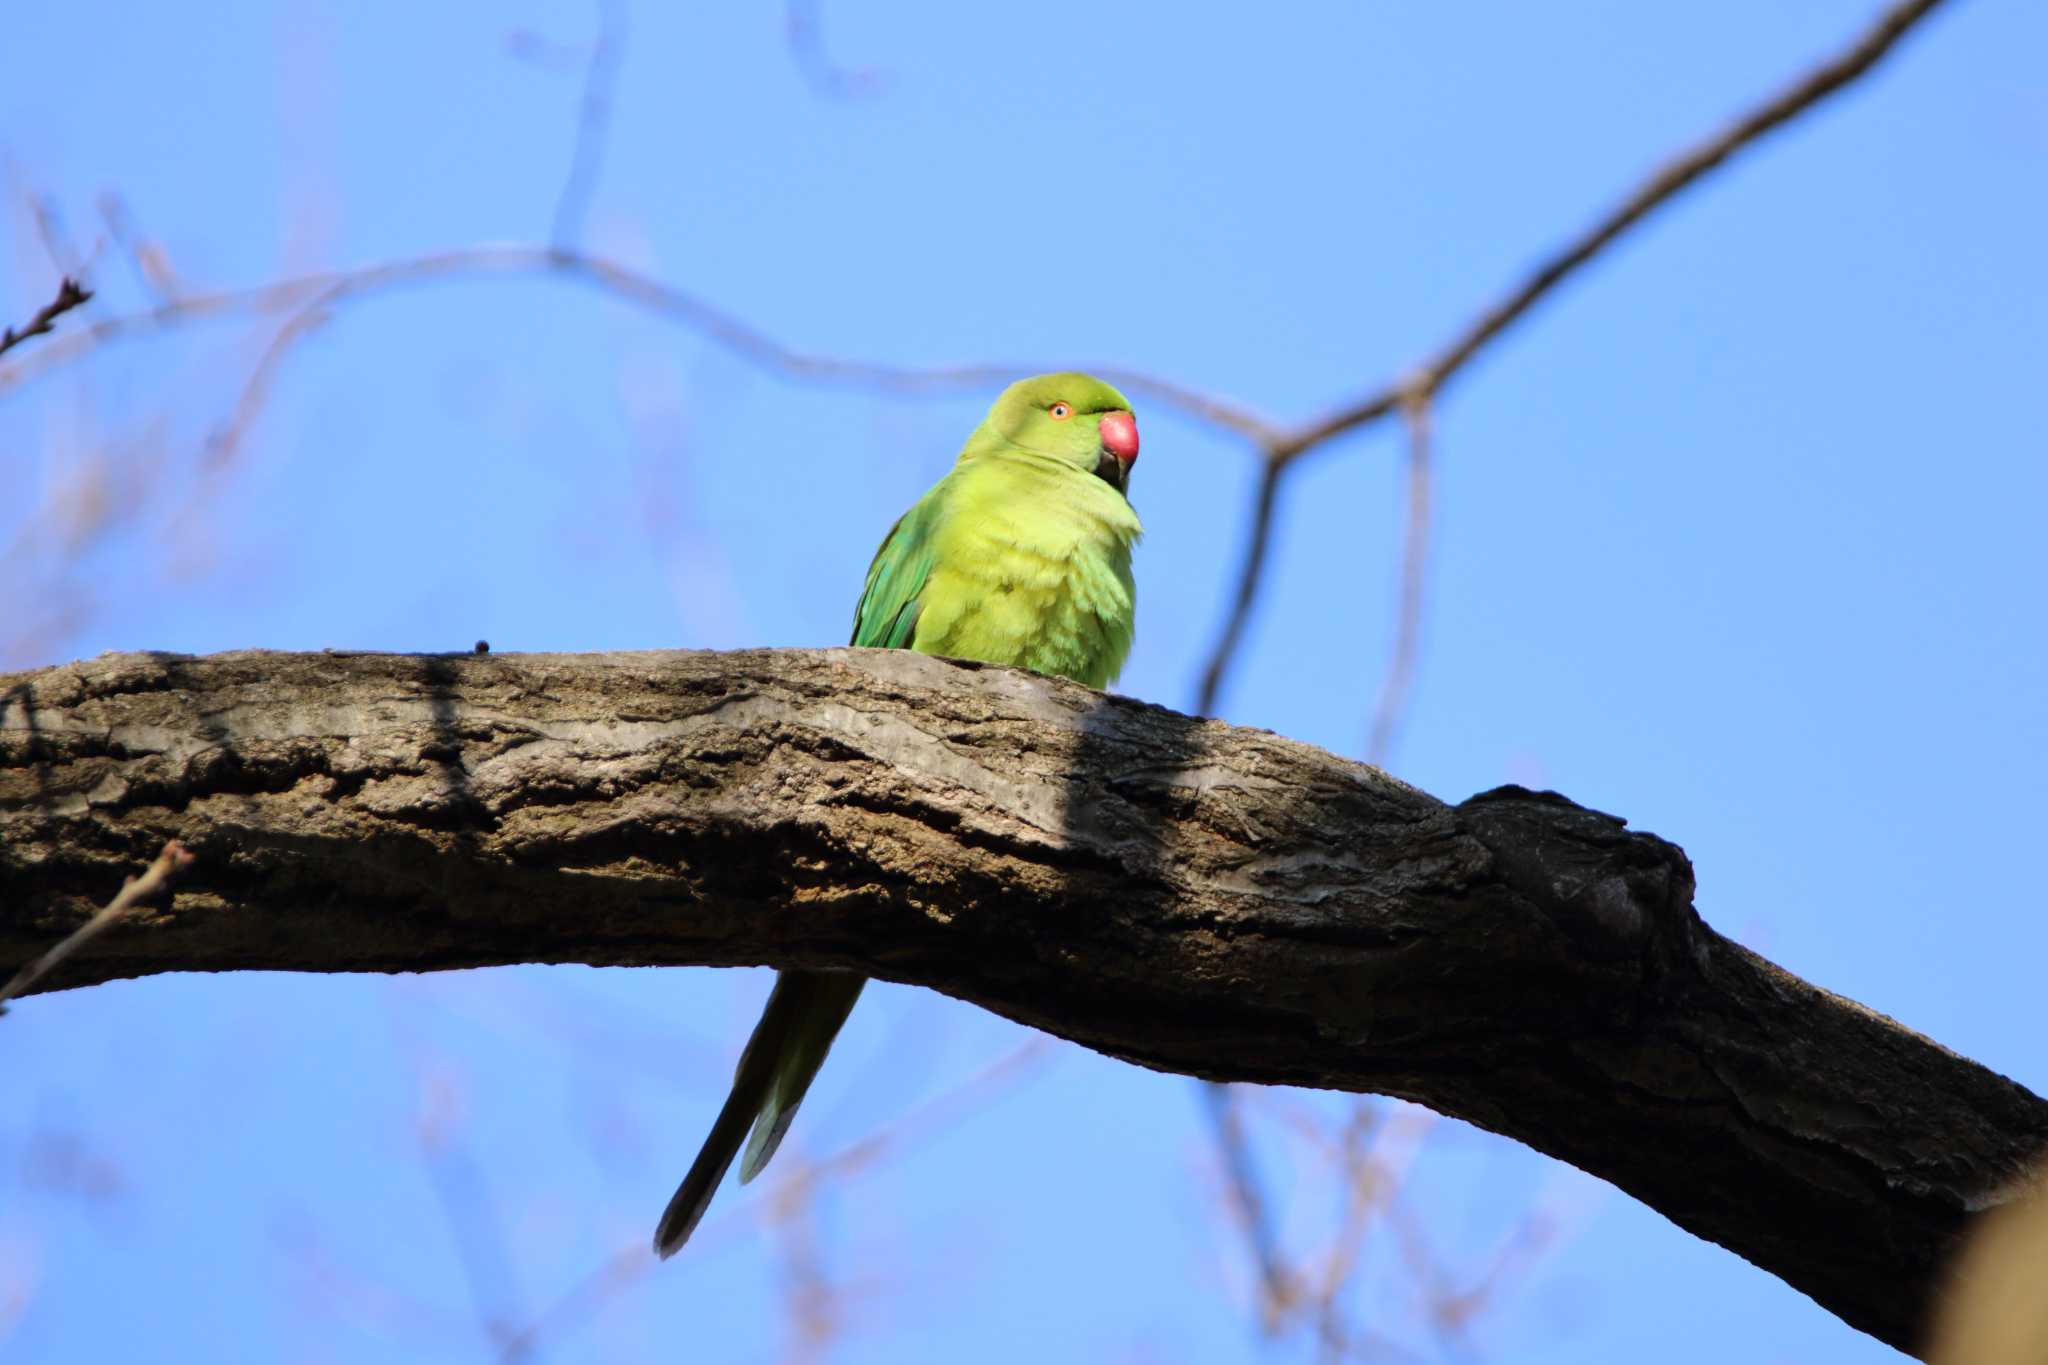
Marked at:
<point>1741,537</point>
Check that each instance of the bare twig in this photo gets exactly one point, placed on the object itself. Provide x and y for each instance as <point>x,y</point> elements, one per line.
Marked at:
<point>1662,185</point>
<point>66,1162</point>
<point>1365,1191</point>
<point>828,78</point>
<point>70,294</point>
<point>364,1300</point>
<point>814,1307</point>
<point>1408,609</point>
<point>583,1300</point>
<point>927,1120</point>
<point>867,1154</point>
<point>464,1199</point>
<point>152,264</point>
<point>329,289</point>
<point>1277,1289</point>
<point>1371,1154</point>
<point>537,49</point>
<point>226,439</point>
<point>464,1196</point>
<point>169,863</point>
<point>103,486</point>
<point>593,122</point>
<point>56,238</point>
<point>1249,575</point>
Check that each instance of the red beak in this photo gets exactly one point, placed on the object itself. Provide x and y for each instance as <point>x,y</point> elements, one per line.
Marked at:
<point>1120,436</point>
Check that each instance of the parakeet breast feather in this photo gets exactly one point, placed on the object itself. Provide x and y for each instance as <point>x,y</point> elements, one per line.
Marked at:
<point>1031,566</point>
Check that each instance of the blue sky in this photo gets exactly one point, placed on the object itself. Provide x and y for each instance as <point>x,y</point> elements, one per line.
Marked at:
<point>1740,536</point>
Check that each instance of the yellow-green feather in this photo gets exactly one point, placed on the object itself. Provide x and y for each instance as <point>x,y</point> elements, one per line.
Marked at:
<point>1011,559</point>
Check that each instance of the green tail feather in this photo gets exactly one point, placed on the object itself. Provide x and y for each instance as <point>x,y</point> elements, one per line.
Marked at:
<point>821,1002</point>
<point>803,1015</point>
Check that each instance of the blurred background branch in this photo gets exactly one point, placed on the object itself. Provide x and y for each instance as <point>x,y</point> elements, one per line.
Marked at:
<point>1421,386</point>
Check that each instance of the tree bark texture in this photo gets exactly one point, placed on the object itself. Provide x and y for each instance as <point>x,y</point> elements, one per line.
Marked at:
<point>1176,892</point>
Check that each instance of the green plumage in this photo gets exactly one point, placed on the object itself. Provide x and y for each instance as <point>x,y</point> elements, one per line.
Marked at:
<point>1020,555</point>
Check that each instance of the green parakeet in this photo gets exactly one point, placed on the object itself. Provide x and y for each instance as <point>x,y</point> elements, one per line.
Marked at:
<point>1020,555</point>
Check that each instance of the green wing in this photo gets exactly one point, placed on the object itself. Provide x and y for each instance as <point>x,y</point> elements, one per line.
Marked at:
<point>887,615</point>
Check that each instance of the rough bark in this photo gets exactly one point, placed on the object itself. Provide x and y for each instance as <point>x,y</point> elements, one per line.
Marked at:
<point>1180,893</point>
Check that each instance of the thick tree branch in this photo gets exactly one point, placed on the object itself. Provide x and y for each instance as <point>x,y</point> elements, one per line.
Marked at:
<point>1173,891</point>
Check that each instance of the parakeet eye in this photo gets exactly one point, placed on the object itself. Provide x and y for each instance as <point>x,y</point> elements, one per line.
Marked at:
<point>1060,412</point>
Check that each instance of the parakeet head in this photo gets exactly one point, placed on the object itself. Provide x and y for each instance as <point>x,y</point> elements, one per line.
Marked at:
<point>1071,417</point>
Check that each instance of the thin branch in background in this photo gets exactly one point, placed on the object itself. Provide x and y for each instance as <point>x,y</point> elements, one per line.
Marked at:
<point>472,1217</point>
<point>1228,414</point>
<point>102,487</point>
<point>70,294</point>
<point>476,1230</point>
<point>1427,1269</point>
<point>820,1309</point>
<point>593,123</point>
<point>631,1263</point>
<point>583,1301</point>
<point>1521,1249</point>
<point>618,281</point>
<point>328,291</point>
<point>226,440</point>
<point>56,238</point>
<point>1379,1174</point>
<point>1662,185</point>
<point>169,863</point>
<point>814,1308</point>
<point>807,45</point>
<point>151,263</point>
<point>1372,1153</point>
<point>537,49</point>
<point>1659,188</point>
<point>1400,678</point>
<point>1258,543</point>
<point>66,1162</point>
<point>932,1117</point>
<point>363,1301</point>
<point>1365,1192</point>
<point>1549,1222</point>
<point>1248,1203</point>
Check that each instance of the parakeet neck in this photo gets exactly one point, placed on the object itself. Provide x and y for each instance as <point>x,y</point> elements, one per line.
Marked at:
<point>1049,493</point>
<point>1046,483</point>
